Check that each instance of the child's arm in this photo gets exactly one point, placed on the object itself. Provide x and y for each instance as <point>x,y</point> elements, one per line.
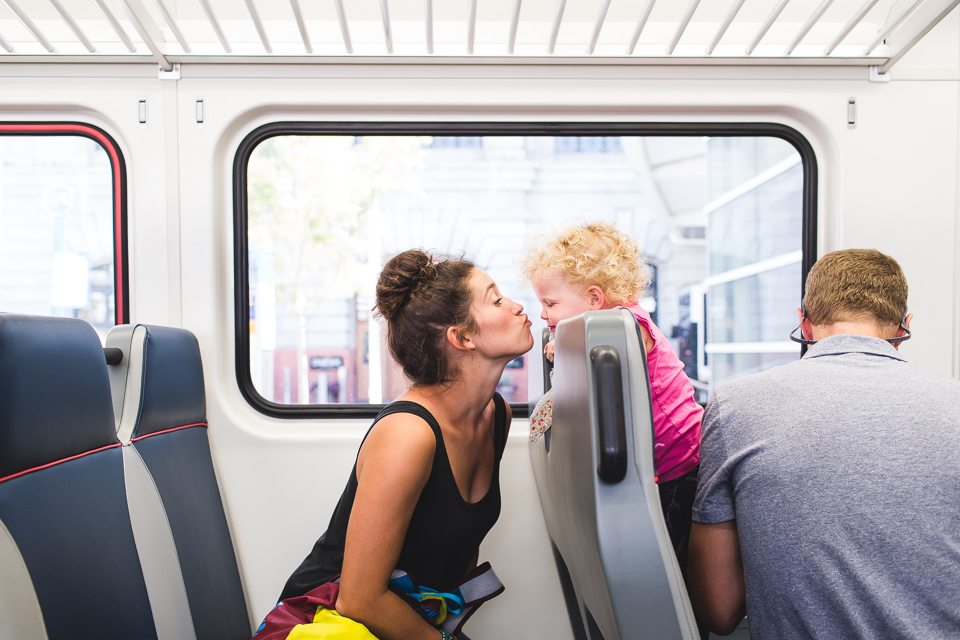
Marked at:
<point>648,343</point>
<point>548,350</point>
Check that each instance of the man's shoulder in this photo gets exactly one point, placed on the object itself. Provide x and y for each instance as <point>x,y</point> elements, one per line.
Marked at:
<point>761,380</point>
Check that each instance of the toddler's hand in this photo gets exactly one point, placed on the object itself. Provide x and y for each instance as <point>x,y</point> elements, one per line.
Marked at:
<point>548,350</point>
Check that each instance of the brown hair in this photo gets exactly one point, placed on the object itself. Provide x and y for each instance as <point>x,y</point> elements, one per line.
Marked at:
<point>856,285</point>
<point>590,254</point>
<point>421,296</point>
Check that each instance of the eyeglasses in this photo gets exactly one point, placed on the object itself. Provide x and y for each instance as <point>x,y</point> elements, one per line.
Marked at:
<point>897,340</point>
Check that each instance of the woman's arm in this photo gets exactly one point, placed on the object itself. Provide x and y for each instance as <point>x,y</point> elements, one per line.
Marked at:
<point>392,469</point>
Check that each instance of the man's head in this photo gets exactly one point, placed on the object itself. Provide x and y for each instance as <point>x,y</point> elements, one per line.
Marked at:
<point>856,286</point>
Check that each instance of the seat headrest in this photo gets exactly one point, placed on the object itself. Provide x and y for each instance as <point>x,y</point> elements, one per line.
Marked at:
<point>172,392</point>
<point>54,392</point>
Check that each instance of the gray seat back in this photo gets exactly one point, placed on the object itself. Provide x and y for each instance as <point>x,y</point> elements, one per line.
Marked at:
<point>595,475</point>
<point>161,411</point>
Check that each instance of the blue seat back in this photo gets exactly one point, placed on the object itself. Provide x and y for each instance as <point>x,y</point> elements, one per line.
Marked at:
<point>67,551</point>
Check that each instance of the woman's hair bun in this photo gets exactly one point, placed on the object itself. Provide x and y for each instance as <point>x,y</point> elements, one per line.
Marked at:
<point>402,277</point>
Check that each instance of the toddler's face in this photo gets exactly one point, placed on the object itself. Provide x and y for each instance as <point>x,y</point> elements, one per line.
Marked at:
<point>559,300</point>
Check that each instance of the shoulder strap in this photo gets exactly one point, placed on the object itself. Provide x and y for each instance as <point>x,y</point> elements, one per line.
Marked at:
<point>405,406</point>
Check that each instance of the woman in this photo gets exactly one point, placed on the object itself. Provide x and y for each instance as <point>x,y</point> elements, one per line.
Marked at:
<point>425,488</point>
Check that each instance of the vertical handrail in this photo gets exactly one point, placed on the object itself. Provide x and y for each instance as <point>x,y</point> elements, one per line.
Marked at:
<point>301,25</point>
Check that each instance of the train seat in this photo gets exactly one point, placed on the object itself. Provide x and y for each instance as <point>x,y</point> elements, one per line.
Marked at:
<point>161,406</point>
<point>595,477</point>
<point>68,554</point>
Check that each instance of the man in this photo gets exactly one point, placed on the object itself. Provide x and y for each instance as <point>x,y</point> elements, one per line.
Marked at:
<point>828,503</point>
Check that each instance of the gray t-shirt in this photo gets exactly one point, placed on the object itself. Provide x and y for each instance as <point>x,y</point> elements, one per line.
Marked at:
<point>842,471</point>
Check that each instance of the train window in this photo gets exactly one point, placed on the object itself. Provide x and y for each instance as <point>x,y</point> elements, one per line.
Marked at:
<point>724,215</point>
<point>62,223</point>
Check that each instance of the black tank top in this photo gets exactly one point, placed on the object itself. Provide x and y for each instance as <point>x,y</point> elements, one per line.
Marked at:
<point>445,530</point>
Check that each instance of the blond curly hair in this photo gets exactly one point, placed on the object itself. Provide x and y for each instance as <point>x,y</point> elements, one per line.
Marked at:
<point>590,254</point>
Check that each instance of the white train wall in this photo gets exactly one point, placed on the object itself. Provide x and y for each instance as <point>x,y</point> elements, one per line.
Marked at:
<point>889,181</point>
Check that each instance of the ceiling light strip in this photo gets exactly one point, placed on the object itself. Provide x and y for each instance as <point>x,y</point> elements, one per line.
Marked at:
<point>298,16</point>
<point>28,23</point>
<point>207,9</point>
<point>726,25</point>
<point>555,30</point>
<point>640,25</point>
<point>387,35</point>
<point>893,25</point>
<point>682,26</point>
<point>344,30</point>
<point>766,26</point>
<point>854,21</point>
<point>127,42</point>
<point>73,26</point>
<point>809,25</point>
<point>259,26</point>
<point>598,26</point>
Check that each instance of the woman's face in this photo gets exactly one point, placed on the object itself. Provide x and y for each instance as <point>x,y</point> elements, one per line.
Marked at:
<point>502,327</point>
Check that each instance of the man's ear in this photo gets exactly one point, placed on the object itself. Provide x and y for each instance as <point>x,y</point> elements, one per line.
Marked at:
<point>459,340</point>
<point>595,294</point>
<point>906,323</point>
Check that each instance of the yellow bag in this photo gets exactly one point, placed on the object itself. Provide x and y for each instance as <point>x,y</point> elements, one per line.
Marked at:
<point>330,625</point>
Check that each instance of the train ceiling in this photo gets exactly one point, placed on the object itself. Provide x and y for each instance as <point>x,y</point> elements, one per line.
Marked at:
<point>872,33</point>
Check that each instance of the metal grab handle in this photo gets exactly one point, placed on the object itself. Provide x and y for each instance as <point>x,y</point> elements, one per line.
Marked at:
<point>611,421</point>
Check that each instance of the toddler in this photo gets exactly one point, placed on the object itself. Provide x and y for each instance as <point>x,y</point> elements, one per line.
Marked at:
<point>594,266</point>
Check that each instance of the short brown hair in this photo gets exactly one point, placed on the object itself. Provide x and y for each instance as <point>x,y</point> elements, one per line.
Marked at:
<point>855,285</point>
<point>420,296</point>
<point>590,254</point>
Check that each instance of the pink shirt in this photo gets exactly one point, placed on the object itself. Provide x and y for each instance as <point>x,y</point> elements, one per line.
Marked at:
<point>676,415</point>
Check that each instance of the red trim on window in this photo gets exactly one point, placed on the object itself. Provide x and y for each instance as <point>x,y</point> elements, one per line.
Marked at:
<point>157,433</point>
<point>56,462</point>
<point>108,145</point>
